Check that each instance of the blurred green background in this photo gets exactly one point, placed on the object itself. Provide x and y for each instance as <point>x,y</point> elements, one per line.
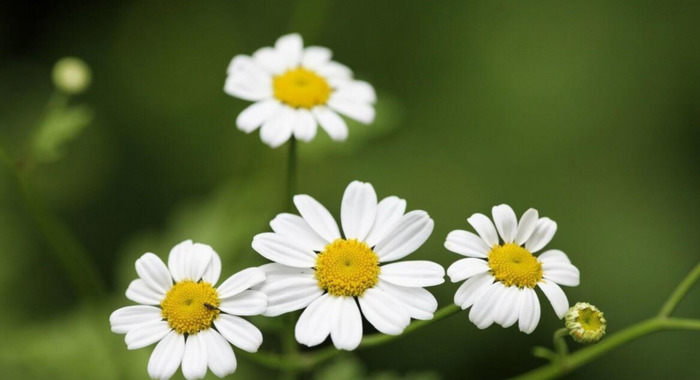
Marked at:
<point>588,111</point>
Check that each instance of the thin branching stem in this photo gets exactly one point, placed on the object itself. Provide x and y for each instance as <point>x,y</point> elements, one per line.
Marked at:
<point>661,322</point>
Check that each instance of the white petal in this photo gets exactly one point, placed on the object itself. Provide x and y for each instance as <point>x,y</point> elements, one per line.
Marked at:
<point>128,318</point>
<point>384,312</point>
<point>268,59</point>
<point>275,272</point>
<point>465,268</point>
<point>248,302</point>
<point>213,270</point>
<point>331,123</point>
<point>362,112</point>
<point>527,225</point>
<point>467,244</point>
<point>408,234</point>
<point>256,114</point>
<point>346,325</point>
<point>358,210</point>
<point>506,222</point>
<point>483,312</point>
<point>246,88</point>
<point>194,361</point>
<point>543,234</point>
<point>561,273</point>
<point>296,228</point>
<point>553,256</point>
<point>334,70</point>
<point>317,216</point>
<point>507,309</point>
<point>315,56</point>
<point>146,334</point>
<point>529,310</point>
<point>241,281</point>
<point>389,211</point>
<point>154,273</point>
<point>483,226</point>
<point>277,129</point>
<point>289,48</point>
<point>304,125</point>
<point>419,303</point>
<point>188,261</point>
<point>314,324</point>
<point>167,356</point>
<point>177,259</point>
<point>290,294</point>
<point>139,292</point>
<point>247,67</point>
<point>556,296</point>
<point>472,290</point>
<point>239,332</point>
<point>283,250</point>
<point>220,358</point>
<point>418,273</point>
<point>354,91</point>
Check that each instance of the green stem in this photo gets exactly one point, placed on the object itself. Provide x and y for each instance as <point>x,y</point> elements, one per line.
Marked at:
<point>680,292</point>
<point>291,173</point>
<point>560,343</point>
<point>661,322</point>
<point>307,361</point>
<point>70,254</point>
<point>590,353</point>
<point>377,339</point>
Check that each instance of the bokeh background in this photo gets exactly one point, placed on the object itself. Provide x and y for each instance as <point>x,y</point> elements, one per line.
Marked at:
<point>588,111</point>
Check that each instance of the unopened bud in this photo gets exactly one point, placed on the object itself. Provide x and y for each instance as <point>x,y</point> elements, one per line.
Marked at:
<point>71,75</point>
<point>586,324</point>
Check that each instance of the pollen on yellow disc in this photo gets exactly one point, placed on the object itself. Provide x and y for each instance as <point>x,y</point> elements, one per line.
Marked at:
<point>301,88</point>
<point>514,265</point>
<point>347,268</point>
<point>190,307</point>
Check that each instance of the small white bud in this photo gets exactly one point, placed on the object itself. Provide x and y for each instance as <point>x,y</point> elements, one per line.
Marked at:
<point>71,75</point>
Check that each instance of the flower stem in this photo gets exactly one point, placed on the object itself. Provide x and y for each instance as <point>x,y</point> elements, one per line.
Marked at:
<point>70,254</point>
<point>658,323</point>
<point>291,173</point>
<point>560,343</point>
<point>586,355</point>
<point>309,360</point>
<point>680,292</point>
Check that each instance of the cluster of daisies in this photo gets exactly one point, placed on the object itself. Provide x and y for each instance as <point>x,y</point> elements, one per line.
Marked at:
<point>335,278</point>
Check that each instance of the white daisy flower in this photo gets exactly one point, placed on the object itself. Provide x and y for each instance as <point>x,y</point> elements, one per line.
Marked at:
<point>294,89</point>
<point>317,269</point>
<point>501,277</point>
<point>192,321</point>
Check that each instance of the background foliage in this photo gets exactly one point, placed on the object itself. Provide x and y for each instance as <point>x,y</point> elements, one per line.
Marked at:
<point>587,111</point>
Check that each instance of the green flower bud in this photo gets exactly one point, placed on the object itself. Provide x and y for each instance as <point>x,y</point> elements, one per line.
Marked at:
<point>71,75</point>
<point>585,323</point>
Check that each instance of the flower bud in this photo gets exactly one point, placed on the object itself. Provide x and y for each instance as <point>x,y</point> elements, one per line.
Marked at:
<point>71,75</point>
<point>585,323</point>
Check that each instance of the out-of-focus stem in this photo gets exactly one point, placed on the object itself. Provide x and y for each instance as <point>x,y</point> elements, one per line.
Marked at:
<point>68,251</point>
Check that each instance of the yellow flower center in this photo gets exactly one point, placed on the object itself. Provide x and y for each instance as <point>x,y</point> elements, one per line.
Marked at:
<point>190,307</point>
<point>512,264</point>
<point>301,88</point>
<point>347,268</point>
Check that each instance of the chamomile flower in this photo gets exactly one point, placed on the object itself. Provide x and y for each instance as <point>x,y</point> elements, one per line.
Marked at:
<point>295,89</point>
<point>502,276</point>
<point>193,322</point>
<point>329,275</point>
